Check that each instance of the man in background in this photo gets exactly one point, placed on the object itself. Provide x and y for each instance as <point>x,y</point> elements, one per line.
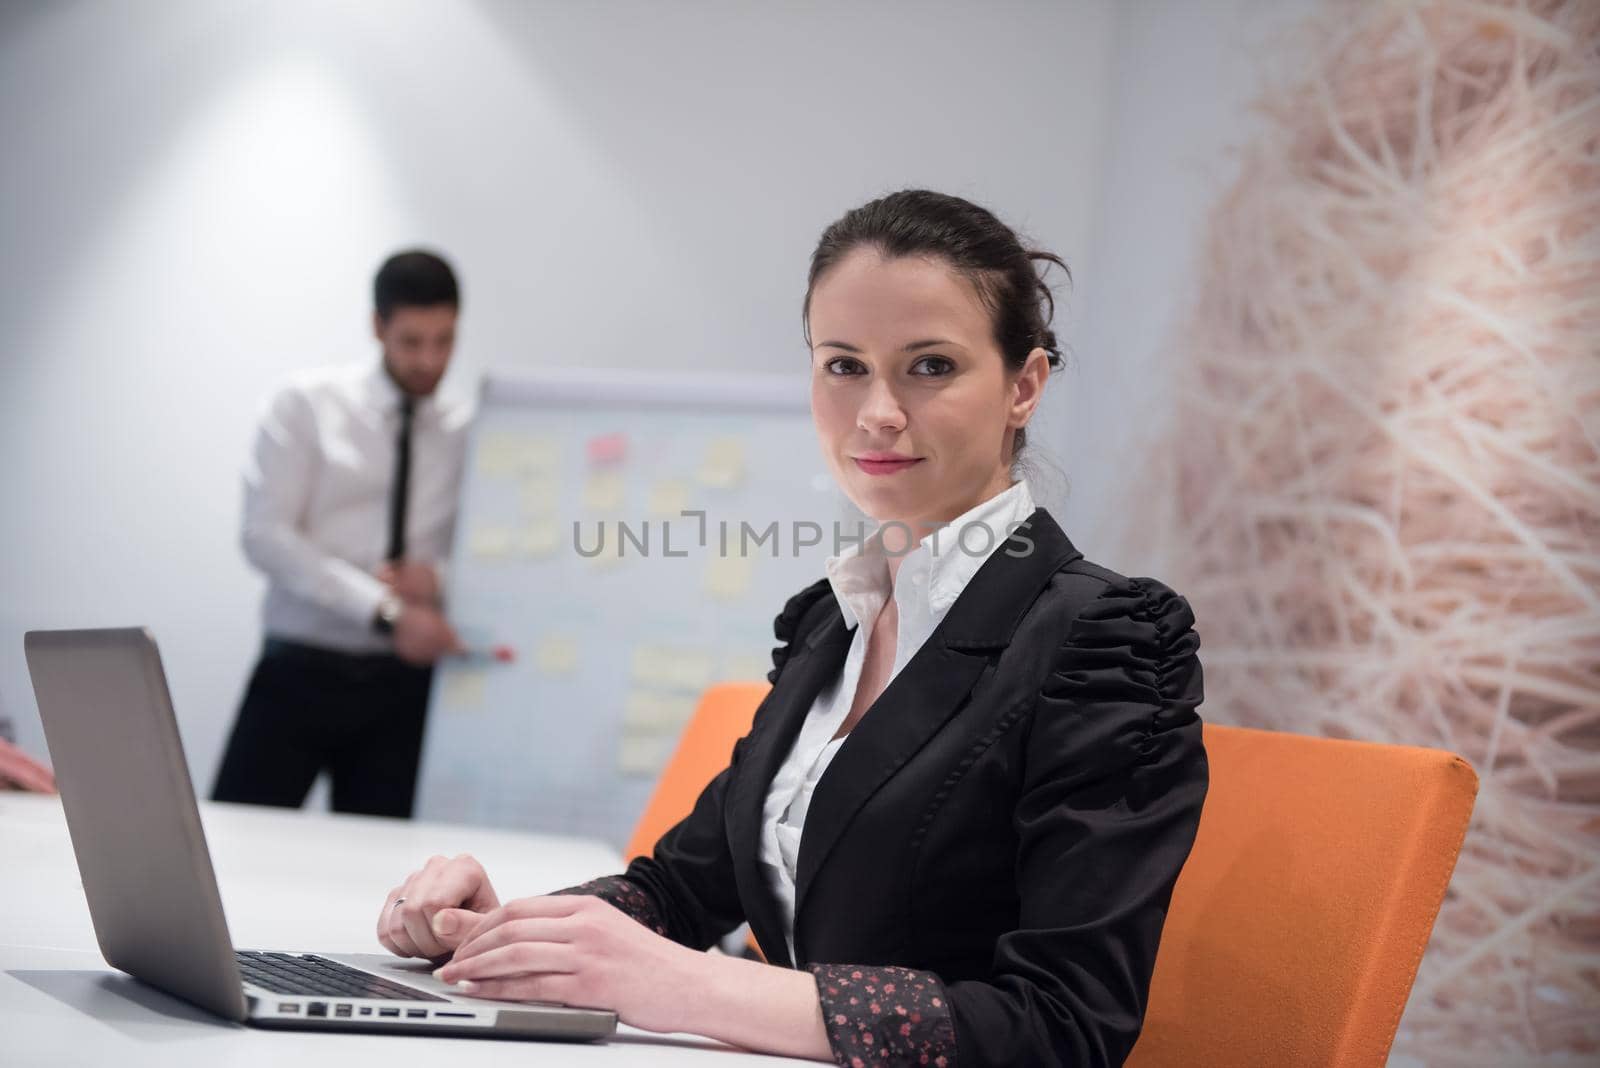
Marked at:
<point>349,509</point>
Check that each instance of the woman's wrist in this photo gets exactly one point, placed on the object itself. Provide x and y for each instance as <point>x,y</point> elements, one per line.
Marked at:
<point>755,1006</point>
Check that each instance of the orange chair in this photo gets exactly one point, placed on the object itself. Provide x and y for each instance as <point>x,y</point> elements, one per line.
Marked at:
<point>722,718</point>
<point>1297,925</point>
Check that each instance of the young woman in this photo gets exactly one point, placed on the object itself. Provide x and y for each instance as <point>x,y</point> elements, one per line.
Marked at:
<point>956,822</point>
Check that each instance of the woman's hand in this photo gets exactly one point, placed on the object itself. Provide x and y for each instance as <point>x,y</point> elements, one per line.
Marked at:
<point>579,951</point>
<point>434,909</point>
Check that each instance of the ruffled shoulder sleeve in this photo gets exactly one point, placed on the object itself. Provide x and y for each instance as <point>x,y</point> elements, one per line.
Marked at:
<point>787,626</point>
<point>1129,668</point>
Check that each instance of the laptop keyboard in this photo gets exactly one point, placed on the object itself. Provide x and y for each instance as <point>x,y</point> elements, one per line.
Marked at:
<point>287,973</point>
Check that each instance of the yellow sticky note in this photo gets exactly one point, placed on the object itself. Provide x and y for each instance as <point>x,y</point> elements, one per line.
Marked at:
<point>727,578</point>
<point>463,689</point>
<point>491,542</point>
<point>556,655</point>
<point>688,670</point>
<point>541,538</point>
<point>642,710</point>
<point>603,492</point>
<point>669,497</point>
<point>746,667</point>
<point>723,463</point>
<point>494,457</point>
<point>675,711</point>
<point>533,455</point>
<point>641,755</point>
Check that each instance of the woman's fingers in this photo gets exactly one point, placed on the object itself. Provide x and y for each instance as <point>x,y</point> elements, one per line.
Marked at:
<point>537,929</point>
<point>391,923</point>
<point>555,988</point>
<point>394,934</point>
<point>518,958</point>
<point>524,908</point>
<point>391,930</point>
<point>461,882</point>
<point>385,939</point>
<point>421,900</point>
<point>408,926</point>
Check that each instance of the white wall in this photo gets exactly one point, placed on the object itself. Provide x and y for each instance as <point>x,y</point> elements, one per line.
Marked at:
<point>1183,78</point>
<point>194,196</point>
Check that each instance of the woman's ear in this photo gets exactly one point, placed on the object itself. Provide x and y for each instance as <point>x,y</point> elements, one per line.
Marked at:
<point>1028,387</point>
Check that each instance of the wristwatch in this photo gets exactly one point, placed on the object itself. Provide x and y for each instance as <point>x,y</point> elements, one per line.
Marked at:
<point>387,614</point>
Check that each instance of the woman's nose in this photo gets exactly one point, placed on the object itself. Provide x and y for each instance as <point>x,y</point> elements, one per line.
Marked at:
<point>880,409</point>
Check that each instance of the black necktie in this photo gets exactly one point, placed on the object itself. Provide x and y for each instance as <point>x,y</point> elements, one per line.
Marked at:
<point>402,476</point>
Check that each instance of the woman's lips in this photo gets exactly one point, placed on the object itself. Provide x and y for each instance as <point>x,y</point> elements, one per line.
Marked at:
<point>885,467</point>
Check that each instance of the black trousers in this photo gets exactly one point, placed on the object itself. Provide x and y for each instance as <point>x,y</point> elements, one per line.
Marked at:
<point>308,709</point>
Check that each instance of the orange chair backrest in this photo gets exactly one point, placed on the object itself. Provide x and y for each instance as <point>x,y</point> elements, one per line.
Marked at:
<point>1297,925</point>
<point>721,719</point>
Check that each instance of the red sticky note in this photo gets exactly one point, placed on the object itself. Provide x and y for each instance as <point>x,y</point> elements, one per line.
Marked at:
<point>608,448</point>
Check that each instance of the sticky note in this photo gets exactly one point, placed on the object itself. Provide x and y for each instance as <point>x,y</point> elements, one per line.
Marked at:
<point>463,689</point>
<point>688,670</point>
<point>723,463</point>
<point>541,455</point>
<point>541,538</point>
<point>745,667</point>
<point>643,710</point>
<point>504,454</point>
<point>603,492</point>
<point>556,655</point>
<point>604,449</point>
<point>490,542</point>
<point>492,456</point>
<point>669,497</point>
<point>676,711</point>
<point>641,755</point>
<point>727,578</point>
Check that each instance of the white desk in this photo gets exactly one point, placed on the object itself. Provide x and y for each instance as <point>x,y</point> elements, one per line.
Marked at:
<point>290,881</point>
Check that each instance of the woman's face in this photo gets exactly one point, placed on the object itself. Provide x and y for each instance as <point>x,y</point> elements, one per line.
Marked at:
<point>912,401</point>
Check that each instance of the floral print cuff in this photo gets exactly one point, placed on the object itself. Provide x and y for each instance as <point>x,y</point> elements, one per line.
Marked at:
<point>885,1015</point>
<point>625,895</point>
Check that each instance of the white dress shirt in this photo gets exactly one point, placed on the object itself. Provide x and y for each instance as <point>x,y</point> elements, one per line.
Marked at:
<point>929,580</point>
<point>316,500</point>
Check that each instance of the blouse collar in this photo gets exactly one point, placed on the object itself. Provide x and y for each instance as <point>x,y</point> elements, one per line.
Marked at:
<point>937,570</point>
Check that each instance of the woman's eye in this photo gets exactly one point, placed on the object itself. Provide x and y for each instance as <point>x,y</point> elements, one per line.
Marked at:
<point>843,365</point>
<point>933,366</point>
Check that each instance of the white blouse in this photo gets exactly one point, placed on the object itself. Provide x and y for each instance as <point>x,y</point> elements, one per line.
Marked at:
<point>930,578</point>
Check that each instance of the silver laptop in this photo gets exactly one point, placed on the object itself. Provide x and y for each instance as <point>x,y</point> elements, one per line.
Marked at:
<point>152,892</point>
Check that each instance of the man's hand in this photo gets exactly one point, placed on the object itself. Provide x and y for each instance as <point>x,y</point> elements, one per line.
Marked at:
<point>19,771</point>
<point>422,636</point>
<point>434,909</point>
<point>414,582</point>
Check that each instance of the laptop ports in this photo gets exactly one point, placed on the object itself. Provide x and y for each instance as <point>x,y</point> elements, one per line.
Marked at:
<point>416,1014</point>
<point>317,1008</point>
<point>289,1006</point>
<point>341,1010</point>
<point>388,1012</point>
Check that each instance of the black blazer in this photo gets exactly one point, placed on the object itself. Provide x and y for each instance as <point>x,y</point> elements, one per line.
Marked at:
<point>987,861</point>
